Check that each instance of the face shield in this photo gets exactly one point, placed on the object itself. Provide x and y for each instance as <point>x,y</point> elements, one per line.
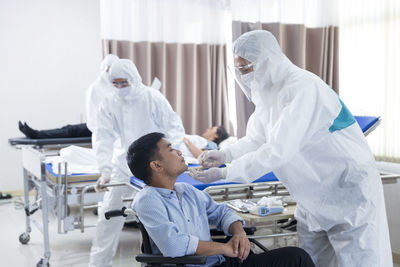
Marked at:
<point>244,77</point>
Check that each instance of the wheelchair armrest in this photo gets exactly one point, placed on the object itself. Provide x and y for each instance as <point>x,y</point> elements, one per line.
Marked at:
<point>258,244</point>
<point>151,258</point>
<point>248,230</point>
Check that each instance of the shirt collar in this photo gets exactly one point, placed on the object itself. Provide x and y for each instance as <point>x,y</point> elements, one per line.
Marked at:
<point>179,190</point>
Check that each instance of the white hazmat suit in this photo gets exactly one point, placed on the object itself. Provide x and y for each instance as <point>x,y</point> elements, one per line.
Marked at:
<point>97,91</point>
<point>302,132</point>
<point>128,114</point>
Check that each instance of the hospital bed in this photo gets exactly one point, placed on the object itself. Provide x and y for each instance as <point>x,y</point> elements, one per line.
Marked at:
<point>267,185</point>
<point>56,192</point>
<point>50,142</point>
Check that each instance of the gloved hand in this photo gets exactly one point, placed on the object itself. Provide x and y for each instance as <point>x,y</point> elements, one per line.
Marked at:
<point>208,176</point>
<point>105,178</point>
<point>212,158</point>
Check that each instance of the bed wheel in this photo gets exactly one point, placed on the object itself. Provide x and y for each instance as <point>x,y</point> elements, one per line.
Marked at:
<point>41,264</point>
<point>24,238</point>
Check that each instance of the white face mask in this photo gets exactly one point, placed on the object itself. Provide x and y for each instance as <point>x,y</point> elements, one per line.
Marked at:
<point>247,80</point>
<point>122,92</point>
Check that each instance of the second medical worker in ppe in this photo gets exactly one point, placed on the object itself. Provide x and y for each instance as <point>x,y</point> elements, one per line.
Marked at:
<point>302,132</point>
<point>131,112</point>
<point>97,91</point>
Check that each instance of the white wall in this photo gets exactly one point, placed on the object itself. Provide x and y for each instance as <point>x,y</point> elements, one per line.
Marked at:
<point>50,51</point>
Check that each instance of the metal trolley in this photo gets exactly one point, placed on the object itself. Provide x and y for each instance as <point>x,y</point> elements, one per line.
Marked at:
<point>56,195</point>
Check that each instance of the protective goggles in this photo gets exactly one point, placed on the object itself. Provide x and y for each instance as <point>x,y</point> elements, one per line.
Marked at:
<point>244,69</point>
<point>121,84</point>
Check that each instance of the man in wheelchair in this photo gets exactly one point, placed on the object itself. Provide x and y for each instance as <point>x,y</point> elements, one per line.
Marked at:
<point>177,215</point>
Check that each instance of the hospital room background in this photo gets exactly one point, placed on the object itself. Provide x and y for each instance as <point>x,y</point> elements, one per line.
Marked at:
<point>50,52</point>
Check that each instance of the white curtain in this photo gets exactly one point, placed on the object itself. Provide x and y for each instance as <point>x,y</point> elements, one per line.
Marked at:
<point>181,42</point>
<point>311,13</point>
<point>370,68</point>
<point>169,21</point>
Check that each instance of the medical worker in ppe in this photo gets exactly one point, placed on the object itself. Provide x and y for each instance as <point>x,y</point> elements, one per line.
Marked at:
<point>97,91</point>
<point>132,111</point>
<point>303,132</point>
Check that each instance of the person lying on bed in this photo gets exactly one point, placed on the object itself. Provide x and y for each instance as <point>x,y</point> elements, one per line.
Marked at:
<point>209,140</point>
<point>95,94</point>
<point>67,131</point>
<point>177,215</point>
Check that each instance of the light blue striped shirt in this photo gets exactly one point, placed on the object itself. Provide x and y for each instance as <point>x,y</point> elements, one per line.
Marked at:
<point>177,219</point>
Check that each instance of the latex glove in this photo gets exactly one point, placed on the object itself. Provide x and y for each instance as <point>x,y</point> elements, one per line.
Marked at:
<point>105,178</point>
<point>212,158</point>
<point>208,176</point>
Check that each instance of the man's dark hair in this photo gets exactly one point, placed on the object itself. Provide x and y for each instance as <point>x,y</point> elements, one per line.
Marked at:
<point>222,135</point>
<point>141,153</point>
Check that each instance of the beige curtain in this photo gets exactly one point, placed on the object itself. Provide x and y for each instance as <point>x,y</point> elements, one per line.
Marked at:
<point>313,49</point>
<point>193,78</point>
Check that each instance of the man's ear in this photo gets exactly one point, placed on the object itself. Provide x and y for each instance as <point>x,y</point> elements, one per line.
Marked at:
<point>156,166</point>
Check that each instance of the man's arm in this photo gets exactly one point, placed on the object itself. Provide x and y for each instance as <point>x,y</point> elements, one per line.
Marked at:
<point>104,139</point>
<point>168,120</point>
<point>167,237</point>
<point>238,245</point>
<point>225,218</point>
<point>240,242</point>
<point>287,137</point>
<point>214,248</point>
<point>192,147</point>
<point>251,142</point>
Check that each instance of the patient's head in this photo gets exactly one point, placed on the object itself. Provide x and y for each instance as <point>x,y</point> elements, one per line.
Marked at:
<point>216,134</point>
<point>151,159</point>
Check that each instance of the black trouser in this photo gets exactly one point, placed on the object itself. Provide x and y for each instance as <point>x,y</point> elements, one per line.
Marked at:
<point>283,257</point>
<point>74,130</point>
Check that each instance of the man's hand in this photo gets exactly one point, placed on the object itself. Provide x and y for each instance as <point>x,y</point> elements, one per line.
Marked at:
<point>105,178</point>
<point>212,158</point>
<point>240,242</point>
<point>208,176</point>
<point>241,246</point>
<point>228,250</point>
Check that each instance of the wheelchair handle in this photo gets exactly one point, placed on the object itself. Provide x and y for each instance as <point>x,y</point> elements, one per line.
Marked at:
<point>115,213</point>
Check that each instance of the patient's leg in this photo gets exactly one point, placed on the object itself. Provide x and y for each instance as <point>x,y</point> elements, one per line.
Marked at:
<point>68,131</point>
<point>282,257</point>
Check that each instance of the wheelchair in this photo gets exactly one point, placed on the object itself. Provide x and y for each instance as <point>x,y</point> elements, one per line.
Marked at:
<point>150,259</point>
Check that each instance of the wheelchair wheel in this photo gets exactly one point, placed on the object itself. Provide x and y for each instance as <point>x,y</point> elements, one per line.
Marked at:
<point>24,238</point>
<point>41,264</point>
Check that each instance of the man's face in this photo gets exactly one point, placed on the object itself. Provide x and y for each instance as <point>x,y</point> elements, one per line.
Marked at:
<point>243,65</point>
<point>171,159</point>
<point>120,83</point>
<point>210,133</point>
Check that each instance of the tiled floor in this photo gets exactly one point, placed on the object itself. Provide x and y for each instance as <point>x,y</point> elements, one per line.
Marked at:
<point>71,249</point>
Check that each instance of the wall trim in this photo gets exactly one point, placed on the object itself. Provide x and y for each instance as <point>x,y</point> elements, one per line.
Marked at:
<point>396,257</point>
<point>16,193</point>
